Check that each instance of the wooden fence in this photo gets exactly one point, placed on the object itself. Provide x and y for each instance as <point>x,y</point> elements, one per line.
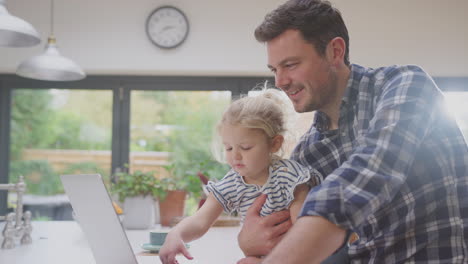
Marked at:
<point>61,159</point>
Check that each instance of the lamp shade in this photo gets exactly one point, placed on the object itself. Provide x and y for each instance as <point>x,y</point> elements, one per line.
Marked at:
<point>50,66</point>
<point>15,32</point>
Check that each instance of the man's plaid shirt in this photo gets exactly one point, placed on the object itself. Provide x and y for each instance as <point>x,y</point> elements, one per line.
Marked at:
<point>395,169</point>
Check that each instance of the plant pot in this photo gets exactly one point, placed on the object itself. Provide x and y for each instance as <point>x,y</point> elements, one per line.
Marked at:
<point>172,206</point>
<point>139,212</point>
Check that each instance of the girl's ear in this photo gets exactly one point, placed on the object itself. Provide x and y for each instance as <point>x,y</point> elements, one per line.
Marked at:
<point>276,143</point>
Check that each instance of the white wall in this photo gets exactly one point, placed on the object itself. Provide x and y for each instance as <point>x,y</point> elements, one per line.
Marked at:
<point>108,36</point>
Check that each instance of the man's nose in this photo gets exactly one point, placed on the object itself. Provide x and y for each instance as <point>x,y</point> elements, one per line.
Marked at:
<point>282,80</point>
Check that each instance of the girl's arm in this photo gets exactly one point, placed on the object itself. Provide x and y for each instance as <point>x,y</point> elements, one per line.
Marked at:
<point>190,229</point>
<point>300,193</point>
<point>195,226</point>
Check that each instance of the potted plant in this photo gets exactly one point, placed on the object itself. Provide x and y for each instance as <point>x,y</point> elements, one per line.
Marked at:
<point>184,180</point>
<point>190,154</point>
<point>137,191</point>
<point>175,189</point>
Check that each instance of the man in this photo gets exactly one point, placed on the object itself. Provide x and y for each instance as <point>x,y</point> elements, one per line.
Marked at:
<point>394,162</point>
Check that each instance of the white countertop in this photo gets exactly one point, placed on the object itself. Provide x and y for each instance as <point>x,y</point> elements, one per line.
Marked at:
<point>64,242</point>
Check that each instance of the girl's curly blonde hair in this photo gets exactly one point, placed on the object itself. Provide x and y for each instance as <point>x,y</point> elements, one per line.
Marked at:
<point>269,110</point>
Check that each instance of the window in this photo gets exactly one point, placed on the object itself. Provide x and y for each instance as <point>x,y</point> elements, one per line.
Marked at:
<point>54,132</point>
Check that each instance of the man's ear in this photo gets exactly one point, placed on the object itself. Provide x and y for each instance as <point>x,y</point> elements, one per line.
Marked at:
<point>276,143</point>
<point>336,50</point>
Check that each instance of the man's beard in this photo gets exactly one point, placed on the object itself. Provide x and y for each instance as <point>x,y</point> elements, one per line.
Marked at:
<point>325,95</point>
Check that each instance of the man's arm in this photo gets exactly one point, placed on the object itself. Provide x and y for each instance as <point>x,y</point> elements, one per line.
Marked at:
<point>311,240</point>
<point>260,234</point>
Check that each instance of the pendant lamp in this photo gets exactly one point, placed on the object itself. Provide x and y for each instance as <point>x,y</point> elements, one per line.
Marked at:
<point>50,65</point>
<point>15,32</point>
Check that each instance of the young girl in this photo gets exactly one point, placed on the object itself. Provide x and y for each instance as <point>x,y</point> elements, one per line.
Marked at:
<point>252,132</point>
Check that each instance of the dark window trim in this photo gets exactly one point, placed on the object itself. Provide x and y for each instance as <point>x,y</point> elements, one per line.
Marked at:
<point>5,99</point>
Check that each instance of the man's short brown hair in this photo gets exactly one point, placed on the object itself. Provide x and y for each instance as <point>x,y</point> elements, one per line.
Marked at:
<point>318,21</point>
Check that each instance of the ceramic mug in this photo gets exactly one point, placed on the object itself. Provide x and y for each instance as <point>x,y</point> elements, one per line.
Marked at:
<point>158,237</point>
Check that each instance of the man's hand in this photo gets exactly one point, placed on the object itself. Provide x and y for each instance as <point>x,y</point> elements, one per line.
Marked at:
<point>259,235</point>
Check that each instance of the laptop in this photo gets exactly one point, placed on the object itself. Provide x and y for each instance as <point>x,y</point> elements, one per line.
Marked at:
<point>99,222</point>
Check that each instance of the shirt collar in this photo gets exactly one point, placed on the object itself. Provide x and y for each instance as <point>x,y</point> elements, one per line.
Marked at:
<point>321,120</point>
<point>351,88</point>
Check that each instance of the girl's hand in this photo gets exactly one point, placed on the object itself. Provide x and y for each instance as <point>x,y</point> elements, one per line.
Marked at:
<point>174,245</point>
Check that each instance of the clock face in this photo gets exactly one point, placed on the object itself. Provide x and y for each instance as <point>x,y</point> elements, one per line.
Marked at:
<point>167,27</point>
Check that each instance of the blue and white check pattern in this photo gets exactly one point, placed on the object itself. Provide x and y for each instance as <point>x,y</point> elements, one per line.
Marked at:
<point>395,170</point>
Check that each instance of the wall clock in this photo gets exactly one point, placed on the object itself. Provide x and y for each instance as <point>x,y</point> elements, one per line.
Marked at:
<point>167,27</point>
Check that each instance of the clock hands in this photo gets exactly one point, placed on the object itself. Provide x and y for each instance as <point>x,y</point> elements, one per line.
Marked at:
<point>166,28</point>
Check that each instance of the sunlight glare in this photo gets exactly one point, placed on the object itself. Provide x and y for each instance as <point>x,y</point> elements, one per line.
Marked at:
<point>457,106</point>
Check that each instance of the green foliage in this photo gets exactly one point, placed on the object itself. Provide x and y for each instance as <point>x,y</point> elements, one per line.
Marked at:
<point>36,124</point>
<point>188,157</point>
<point>186,121</point>
<point>42,218</point>
<point>213,169</point>
<point>137,183</point>
<point>65,128</point>
<point>30,116</point>
<point>162,118</point>
<point>87,167</point>
<point>42,179</point>
<point>184,169</point>
<point>181,179</point>
<point>83,168</point>
<point>196,116</point>
<point>39,176</point>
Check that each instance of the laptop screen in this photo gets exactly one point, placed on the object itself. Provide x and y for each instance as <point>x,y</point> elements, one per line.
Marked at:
<point>97,218</point>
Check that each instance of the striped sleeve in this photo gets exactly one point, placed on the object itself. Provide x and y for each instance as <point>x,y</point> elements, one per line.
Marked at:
<point>286,176</point>
<point>225,191</point>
